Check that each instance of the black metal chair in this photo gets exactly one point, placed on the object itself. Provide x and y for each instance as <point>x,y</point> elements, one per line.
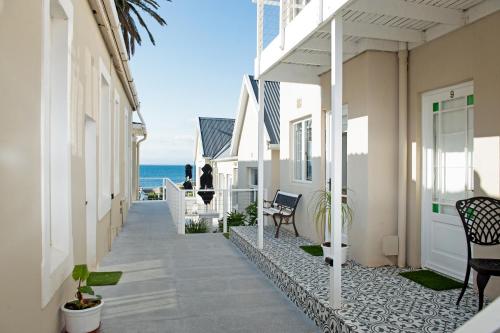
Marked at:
<point>481,219</point>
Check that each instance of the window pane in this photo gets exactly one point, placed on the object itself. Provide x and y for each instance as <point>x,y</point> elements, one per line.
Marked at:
<point>297,155</point>
<point>308,150</point>
<point>452,154</point>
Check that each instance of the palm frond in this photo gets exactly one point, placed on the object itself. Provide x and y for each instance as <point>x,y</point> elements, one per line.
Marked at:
<point>128,12</point>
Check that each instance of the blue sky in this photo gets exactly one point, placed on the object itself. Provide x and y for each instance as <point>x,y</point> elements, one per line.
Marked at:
<point>194,70</point>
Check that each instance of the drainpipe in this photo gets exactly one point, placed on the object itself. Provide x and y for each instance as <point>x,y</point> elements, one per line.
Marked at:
<point>138,146</point>
<point>403,150</point>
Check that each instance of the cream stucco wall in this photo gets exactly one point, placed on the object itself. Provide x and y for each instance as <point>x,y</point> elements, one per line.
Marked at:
<point>300,101</point>
<point>370,93</point>
<point>468,54</point>
<point>20,83</point>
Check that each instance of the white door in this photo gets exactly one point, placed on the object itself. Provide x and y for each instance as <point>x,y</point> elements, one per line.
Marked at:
<point>91,189</point>
<point>447,176</point>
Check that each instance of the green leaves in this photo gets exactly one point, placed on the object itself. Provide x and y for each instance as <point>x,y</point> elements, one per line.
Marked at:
<point>80,272</point>
<point>103,278</point>
<point>86,290</point>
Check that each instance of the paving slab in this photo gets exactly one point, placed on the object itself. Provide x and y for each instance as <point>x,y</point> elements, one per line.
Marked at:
<point>188,283</point>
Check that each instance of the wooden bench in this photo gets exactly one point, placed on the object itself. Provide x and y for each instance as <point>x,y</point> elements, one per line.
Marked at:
<point>283,207</point>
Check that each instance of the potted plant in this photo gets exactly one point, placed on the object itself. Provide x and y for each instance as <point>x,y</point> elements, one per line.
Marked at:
<point>322,208</point>
<point>83,314</point>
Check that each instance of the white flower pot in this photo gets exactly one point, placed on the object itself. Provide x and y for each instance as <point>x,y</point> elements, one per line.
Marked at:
<point>327,252</point>
<point>82,321</point>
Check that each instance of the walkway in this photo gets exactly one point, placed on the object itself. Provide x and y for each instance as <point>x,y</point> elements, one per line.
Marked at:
<point>192,283</point>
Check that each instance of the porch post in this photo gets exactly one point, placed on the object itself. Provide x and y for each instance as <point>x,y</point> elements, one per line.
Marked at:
<point>260,140</point>
<point>336,161</point>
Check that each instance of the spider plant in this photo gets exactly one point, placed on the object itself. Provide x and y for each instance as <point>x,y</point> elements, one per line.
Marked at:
<point>322,201</point>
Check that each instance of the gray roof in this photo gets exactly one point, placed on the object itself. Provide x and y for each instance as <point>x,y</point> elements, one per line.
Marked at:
<point>215,133</point>
<point>271,107</point>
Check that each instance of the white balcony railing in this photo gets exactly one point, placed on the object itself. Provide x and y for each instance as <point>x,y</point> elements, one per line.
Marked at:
<point>187,206</point>
<point>274,16</point>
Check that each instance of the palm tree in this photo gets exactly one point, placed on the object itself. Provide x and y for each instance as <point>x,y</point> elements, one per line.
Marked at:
<point>127,9</point>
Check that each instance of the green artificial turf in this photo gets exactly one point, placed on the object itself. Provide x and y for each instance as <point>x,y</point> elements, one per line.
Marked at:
<point>226,234</point>
<point>431,280</point>
<point>103,278</point>
<point>314,250</point>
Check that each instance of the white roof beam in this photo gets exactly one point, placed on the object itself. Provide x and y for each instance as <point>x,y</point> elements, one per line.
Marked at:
<point>297,73</point>
<point>410,10</point>
<point>309,58</point>
<point>382,32</point>
<point>317,44</point>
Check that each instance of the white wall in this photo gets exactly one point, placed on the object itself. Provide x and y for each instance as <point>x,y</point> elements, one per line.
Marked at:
<point>248,153</point>
<point>299,101</point>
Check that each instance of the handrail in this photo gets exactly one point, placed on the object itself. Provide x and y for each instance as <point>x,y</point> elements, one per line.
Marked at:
<point>183,206</point>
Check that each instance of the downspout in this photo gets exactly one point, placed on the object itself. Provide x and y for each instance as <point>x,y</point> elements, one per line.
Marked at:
<point>138,147</point>
<point>402,151</point>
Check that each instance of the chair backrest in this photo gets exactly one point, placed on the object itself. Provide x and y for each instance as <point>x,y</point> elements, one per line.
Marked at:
<point>288,200</point>
<point>481,219</point>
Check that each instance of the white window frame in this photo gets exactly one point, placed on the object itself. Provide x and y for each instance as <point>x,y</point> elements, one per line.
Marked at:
<point>116,143</point>
<point>104,143</point>
<point>57,239</point>
<point>302,178</point>
<point>127,152</point>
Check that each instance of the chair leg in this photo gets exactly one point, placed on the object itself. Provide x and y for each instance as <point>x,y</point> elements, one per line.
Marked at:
<point>294,227</point>
<point>274,219</point>
<point>278,229</point>
<point>466,283</point>
<point>482,281</point>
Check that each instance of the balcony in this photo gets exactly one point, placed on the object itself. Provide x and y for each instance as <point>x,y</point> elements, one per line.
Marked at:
<point>294,36</point>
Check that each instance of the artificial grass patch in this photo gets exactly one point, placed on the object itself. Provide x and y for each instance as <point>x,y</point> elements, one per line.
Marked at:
<point>226,234</point>
<point>314,250</point>
<point>431,280</point>
<point>103,278</point>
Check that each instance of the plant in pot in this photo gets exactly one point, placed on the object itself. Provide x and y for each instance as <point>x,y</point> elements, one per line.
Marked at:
<point>83,314</point>
<point>322,206</point>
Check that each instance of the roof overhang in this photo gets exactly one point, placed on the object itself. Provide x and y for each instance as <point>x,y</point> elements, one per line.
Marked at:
<point>247,95</point>
<point>304,52</point>
<point>107,19</point>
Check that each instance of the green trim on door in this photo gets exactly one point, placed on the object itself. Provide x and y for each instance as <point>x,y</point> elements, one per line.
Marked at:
<point>435,208</point>
<point>435,107</point>
<point>470,100</point>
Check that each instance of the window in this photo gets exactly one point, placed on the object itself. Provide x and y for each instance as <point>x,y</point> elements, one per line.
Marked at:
<point>453,133</point>
<point>57,247</point>
<point>104,141</point>
<point>116,144</point>
<point>253,177</point>
<point>126,148</point>
<point>302,150</point>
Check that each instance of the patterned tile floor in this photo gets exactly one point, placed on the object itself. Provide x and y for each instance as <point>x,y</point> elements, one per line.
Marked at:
<point>374,299</point>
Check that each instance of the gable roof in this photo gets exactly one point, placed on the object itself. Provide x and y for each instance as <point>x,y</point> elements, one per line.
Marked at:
<point>215,134</point>
<point>271,107</point>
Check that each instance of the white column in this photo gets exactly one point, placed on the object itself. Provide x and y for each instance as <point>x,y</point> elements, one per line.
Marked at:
<point>260,192</point>
<point>224,208</point>
<point>283,18</point>
<point>403,152</point>
<point>336,162</point>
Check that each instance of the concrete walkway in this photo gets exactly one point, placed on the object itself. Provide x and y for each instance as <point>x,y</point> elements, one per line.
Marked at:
<point>192,283</point>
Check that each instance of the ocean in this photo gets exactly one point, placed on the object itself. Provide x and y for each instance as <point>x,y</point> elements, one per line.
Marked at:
<point>152,175</point>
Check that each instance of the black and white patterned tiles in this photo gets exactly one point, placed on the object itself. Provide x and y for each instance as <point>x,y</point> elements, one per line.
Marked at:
<point>373,299</point>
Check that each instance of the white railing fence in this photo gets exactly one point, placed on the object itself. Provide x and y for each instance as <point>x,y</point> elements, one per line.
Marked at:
<point>274,16</point>
<point>175,198</point>
<point>211,205</point>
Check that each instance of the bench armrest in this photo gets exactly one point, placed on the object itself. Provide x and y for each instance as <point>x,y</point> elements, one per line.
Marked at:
<point>268,204</point>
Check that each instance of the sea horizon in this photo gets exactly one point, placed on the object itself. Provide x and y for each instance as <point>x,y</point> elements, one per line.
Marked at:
<point>151,175</point>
